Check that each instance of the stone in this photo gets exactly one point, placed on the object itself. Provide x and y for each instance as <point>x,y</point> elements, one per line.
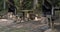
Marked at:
<point>51,30</point>
<point>22,21</point>
<point>5,22</point>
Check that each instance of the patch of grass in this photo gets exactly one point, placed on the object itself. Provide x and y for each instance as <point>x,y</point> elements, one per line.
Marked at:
<point>20,29</point>
<point>23,29</point>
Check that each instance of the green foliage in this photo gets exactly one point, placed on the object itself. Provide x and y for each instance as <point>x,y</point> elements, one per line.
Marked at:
<point>1,5</point>
<point>39,4</point>
<point>55,2</point>
<point>2,10</point>
<point>28,4</point>
<point>17,3</point>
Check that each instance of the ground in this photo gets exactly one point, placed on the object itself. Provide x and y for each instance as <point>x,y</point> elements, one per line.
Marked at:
<point>29,26</point>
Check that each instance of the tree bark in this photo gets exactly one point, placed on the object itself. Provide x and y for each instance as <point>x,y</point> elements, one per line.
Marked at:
<point>35,4</point>
<point>21,3</point>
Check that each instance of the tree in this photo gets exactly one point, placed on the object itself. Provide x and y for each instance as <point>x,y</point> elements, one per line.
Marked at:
<point>3,7</point>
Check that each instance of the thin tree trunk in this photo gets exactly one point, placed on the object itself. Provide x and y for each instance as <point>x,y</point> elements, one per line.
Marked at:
<point>35,4</point>
<point>52,10</point>
<point>21,1</point>
<point>4,5</point>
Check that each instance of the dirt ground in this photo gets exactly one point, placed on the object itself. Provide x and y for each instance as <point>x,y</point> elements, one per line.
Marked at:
<point>29,26</point>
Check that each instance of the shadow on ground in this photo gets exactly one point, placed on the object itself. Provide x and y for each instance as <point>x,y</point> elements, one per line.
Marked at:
<point>57,27</point>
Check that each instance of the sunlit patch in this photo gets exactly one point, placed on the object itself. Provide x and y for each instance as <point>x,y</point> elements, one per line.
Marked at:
<point>3,20</point>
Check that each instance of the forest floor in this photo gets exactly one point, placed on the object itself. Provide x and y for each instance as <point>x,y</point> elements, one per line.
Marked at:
<point>29,26</point>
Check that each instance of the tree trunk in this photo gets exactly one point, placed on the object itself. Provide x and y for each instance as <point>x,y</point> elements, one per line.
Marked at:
<point>35,4</point>
<point>21,3</point>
